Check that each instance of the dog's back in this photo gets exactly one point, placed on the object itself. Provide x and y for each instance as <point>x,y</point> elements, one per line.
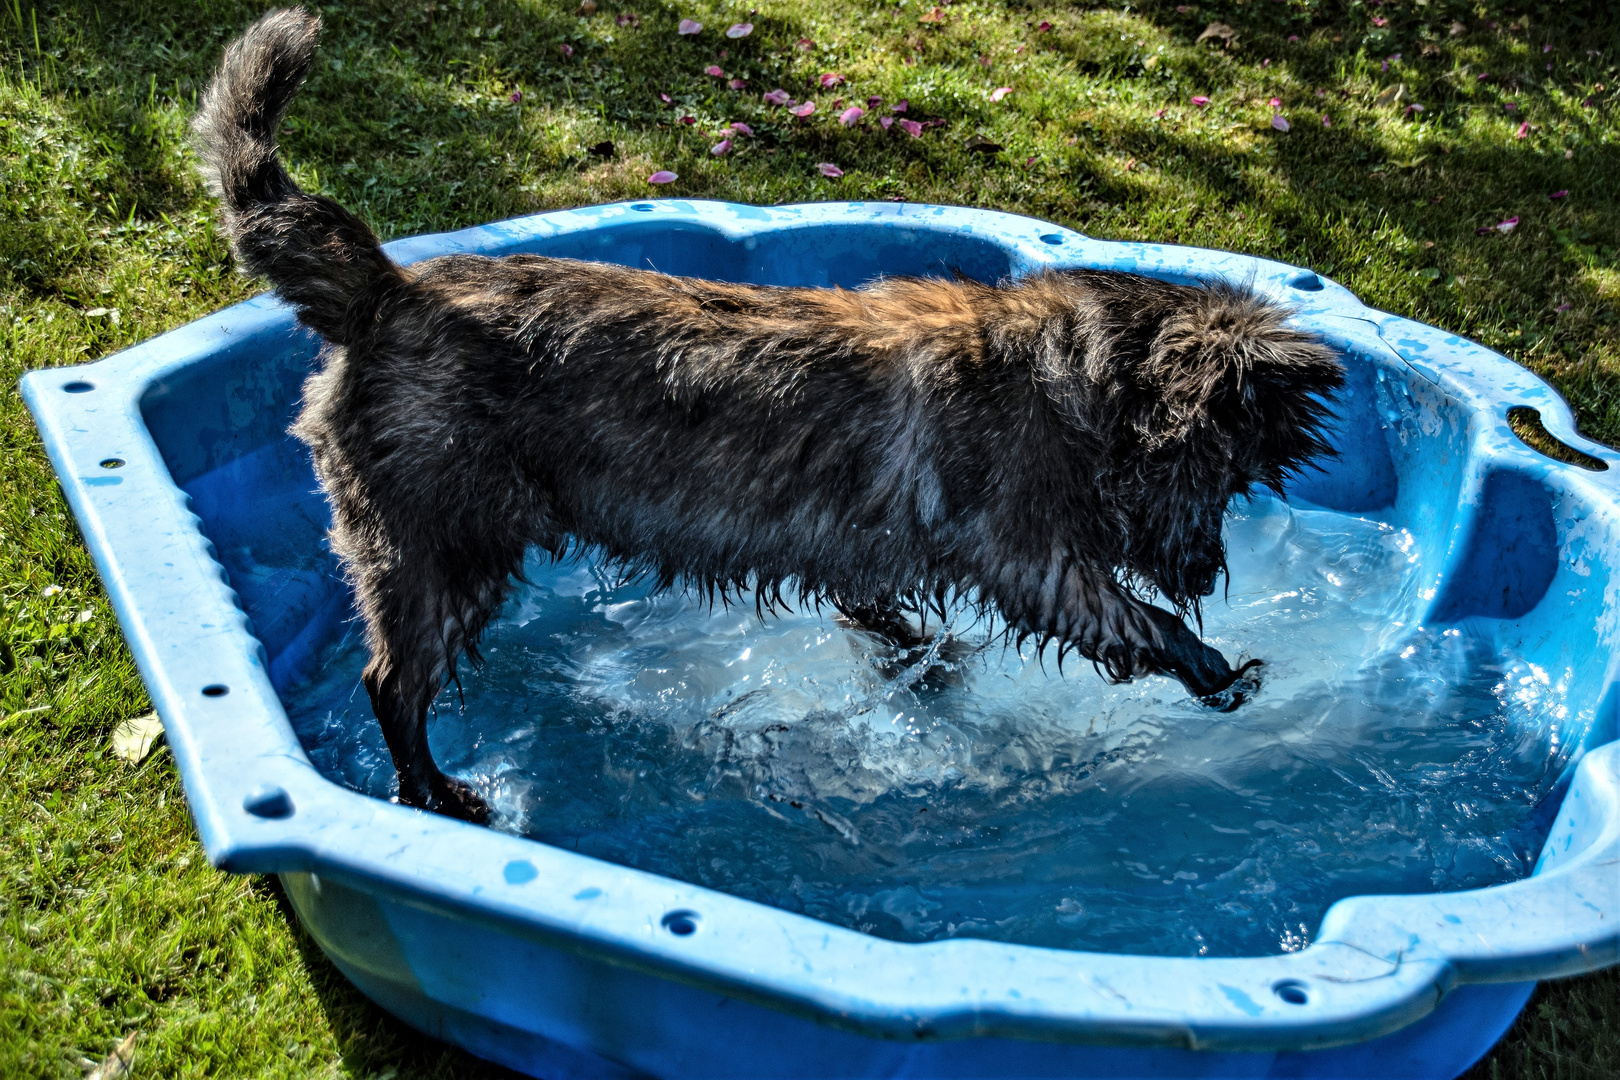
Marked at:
<point>1052,447</point>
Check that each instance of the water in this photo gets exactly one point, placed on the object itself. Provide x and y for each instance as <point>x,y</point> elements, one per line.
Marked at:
<point>975,792</point>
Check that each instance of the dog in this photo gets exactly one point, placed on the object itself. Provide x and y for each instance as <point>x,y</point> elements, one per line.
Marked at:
<point>1060,448</point>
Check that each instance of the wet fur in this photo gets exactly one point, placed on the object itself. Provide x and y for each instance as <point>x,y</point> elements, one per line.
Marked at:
<point>1060,447</point>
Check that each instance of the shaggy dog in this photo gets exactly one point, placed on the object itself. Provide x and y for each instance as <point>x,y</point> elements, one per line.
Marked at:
<point>1058,447</point>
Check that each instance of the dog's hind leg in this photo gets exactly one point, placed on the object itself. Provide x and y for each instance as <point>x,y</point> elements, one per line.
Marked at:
<point>423,612</point>
<point>884,618</point>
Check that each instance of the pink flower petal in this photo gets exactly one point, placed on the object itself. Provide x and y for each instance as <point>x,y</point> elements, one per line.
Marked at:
<point>1279,122</point>
<point>738,84</point>
<point>714,69</point>
<point>851,116</point>
<point>740,128</point>
<point>1546,48</point>
<point>1276,102</point>
<point>566,50</point>
<point>1029,161</point>
<point>689,120</point>
<point>665,98</point>
<point>900,106</point>
<point>886,123</point>
<point>624,20</point>
<point>1558,194</point>
<point>1200,101</point>
<point>517,96</point>
<point>806,43</point>
<point>721,148</point>
<point>1508,225</point>
<point>1413,108</point>
<point>1565,306</point>
<point>1044,27</point>
<point>830,79</point>
<point>777,97</point>
<point>1379,20</point>
<point>1524,129</point>
<point>737,30</point>
<point>662,176</point>
<point>1327,121</point>
<point>829,170</point>
<point>912,128</point>
<point>1158,114</point>
<point>1511,106</point>
<point>688,26</point>
<point>873,102</point>
<point>1293,38</point>
<point>804,110</point>
<point>1000,92</point>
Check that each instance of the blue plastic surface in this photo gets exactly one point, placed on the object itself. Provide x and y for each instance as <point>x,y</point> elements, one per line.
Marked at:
<point>209,542</point>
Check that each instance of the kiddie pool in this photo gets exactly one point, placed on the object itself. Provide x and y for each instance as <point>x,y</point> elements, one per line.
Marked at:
<point>204,520</point>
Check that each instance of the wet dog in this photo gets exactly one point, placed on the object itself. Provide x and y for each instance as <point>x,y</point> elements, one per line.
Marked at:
<point>1059,448</point>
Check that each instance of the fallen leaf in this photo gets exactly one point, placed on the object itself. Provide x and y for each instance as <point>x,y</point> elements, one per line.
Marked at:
<point>1217,30</point>
<point>1000,92</point>
<point>721,148</point>
<point>912,128</point>
<point>1150,63</point>
<point>804,110</point>
<point>119,1062</point>
<point>979,144</point>
<point>1458,29</point>
<point>934,16</point>
<point>777,97</point>
<point>663,176</point>
<point>134,738</point>
<point>689,26</point>
<point>739,30</point>
<point>851,116</point>
<point>1279,122</point>
<point>829,170</point>
<point>1389,95</point>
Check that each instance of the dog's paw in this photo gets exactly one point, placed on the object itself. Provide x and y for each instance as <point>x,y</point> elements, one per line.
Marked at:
<point>450,797</point>
<point>1243,686</point>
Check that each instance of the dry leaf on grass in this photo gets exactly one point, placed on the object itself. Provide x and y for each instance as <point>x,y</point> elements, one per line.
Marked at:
<point>118,1062</point>
<point>133,739</point>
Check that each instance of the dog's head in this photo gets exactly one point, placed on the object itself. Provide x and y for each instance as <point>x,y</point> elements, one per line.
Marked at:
<point>1227,396</point>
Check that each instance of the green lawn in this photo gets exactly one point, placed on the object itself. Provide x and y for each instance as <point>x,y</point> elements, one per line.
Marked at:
<point>110,917</point>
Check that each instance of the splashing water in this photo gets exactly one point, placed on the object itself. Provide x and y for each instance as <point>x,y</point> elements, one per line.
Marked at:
<point>973,791</point>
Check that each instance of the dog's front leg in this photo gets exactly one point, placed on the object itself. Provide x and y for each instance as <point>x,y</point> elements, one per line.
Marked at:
<point>1085,609</point>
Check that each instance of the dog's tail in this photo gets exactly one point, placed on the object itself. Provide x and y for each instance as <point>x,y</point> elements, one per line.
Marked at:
<point>319,257</point>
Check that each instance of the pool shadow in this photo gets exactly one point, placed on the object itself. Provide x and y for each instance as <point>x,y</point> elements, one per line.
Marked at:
<point>370,1040</point>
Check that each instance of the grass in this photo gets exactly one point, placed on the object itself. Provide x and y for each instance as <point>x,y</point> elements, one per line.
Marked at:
<point>111,919</point>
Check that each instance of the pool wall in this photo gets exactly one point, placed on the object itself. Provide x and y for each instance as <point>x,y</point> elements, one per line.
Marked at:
<point>204,521</point>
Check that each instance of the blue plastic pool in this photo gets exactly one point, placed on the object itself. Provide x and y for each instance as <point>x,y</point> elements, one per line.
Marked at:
<point>206,526</point>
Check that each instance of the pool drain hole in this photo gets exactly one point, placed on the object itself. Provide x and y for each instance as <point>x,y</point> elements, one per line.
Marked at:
<point>1052,238</point>
<point>216,690</point>
<point>681,923</point>
<point>1526,424</point>
<point>1291,991</point>
<point>113,463</point>
<point>268,802</point>
<point>78,386</point>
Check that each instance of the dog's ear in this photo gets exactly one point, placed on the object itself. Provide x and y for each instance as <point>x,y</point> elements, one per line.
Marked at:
<point>1228,367</point>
